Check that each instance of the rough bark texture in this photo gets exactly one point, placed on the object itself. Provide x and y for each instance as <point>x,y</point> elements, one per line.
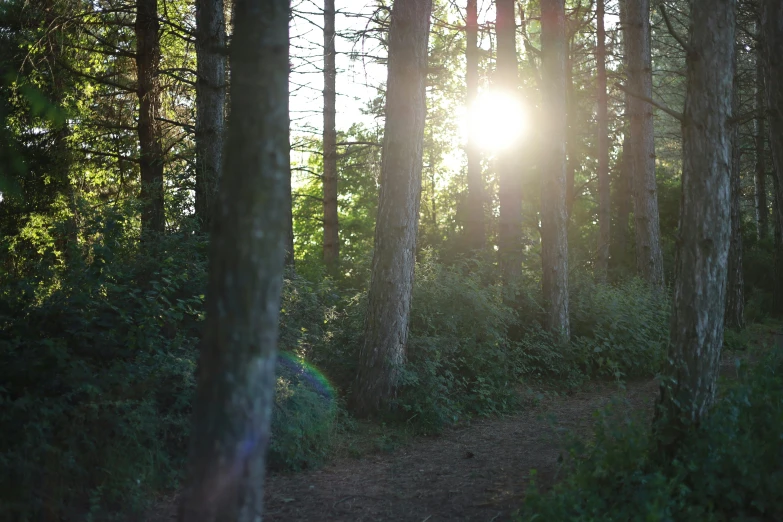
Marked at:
<point>772,41</point>
<point>331,224</point>
<point>149,128</point>
<point>701,263</point>
<point>554,240</point>
<point>649,258</point>
<point>210,105</point>
<point>735,285</point>
<point>604,195</point>
<point>509,179</point>
<point>236,374</point>
<point>777,291</point>
<point>572,156</point>
<point>622,179</point>
<point>760,177</point>
<point>386,325</point>
<point>475,230</point>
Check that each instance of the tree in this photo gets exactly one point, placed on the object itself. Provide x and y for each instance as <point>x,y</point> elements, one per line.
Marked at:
<point>760,176</point>
<point>386,324</point>
<point>735,285</point>
<point>474,225</point>
<point>147,29</point>
<point>554,219</point>
<point>649,258</point>
<point>210,104</point>
<point>331,235</point>
<point>604,203</point>
<point>236,372</point>
<point>701,263</point>
<point>509,182</point>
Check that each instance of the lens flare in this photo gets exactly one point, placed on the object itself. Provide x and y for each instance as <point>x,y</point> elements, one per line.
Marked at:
<point>496,120</point>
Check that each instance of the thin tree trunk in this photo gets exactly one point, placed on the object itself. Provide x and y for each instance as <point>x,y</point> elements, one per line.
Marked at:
<point>572,159</point>
<point>554,240</point>
<point>475,229</point>
<point>735,286</point>
<point>386,326</point>
<point>772,41</point>
<point>151,150</point>
<point>510,187</point>
<point>210,105</point>
<point>236,371</point>
<point>777,290</point>
<point>689,388</point>
<point>604,195</point>
<point>649,258</point>
<point>622,180</point>
<point>760,178</point>
<point>331,224</point>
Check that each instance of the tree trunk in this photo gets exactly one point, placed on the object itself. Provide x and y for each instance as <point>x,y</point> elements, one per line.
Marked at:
<point>210,105</point>
<point>236,372</point>
<point>760,178</point>
<point>649,258</point>
<point>735,285</point>
<point>572,159</point>
<point>554,239</point>
<point>772,41</point>
<point>509,179</point>
<point>475,229</point>
<point>604,202</point>
<point>151,150</point>
<point>622,180</point>
<point>386,326</point>
<point>701,264</point>
<point>331,224</point>
<point>777,290</point>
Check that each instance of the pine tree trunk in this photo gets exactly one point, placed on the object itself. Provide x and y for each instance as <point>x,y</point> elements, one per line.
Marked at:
<point>331,224</point>
<point>475,230</point>
<point>386,325</point>
<point>701,264</point>
<point>760,177</point>
<point>735,285</point>
<point>622,180</point>
<point>236,371</point>
<point>572,156</point>
<point>604,195</point>
<point>509,179</point>
<point>210,105</point>
<point>777,281</point>
<point>151,150</point>
<point>554,220</point>
<point>649,258</point>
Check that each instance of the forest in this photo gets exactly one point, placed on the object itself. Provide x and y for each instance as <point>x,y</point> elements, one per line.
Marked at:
<point>410,260</point>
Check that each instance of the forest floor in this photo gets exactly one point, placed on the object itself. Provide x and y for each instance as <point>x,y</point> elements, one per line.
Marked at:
<point>476,472</point>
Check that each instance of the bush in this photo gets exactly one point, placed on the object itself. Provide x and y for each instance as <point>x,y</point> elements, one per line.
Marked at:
<point>730,468</point>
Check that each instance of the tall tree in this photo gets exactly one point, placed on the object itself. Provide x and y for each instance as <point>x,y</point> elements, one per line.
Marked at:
<point>210,104</point>
<point>147,29</point>
<point>386,325</point>
<point>331,230</point>
<point>475,228</point>
<point>760,176</point>
<point>735,285</point>
<point>554,220</point>
<point>509,180</point>
<point>236,372</point>
<point>604,202</point>
<point>772,41</point>
<point>701,263</point>
<point>649,258</point>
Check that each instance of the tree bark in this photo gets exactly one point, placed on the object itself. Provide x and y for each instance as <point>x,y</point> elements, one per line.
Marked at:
<point>151,150</point>
<point>622,180</point>
<point>554,220</point>
<point>772,42</point>
<point>777,290</point>
<point>386,325</point>
<point>688,390</point>
<point>509,180</point>
<point>236,372</point>
<point>475,230</point>
<point>604,195</point>
<point>735,285</point>
<point>210,105</point>
<point>331,224</point>
<point>649,258</point>
<point>760,177</point>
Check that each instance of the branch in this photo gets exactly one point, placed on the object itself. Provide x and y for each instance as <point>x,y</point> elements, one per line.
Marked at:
<point>680,39</point>
<point>674,114</point>
<point>367,143</point>
<point>744,118</point>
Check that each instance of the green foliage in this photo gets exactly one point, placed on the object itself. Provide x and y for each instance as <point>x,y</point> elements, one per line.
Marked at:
<point>729,468</point>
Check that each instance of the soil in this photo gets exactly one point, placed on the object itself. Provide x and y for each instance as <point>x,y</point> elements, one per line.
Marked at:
<point>478,472</point>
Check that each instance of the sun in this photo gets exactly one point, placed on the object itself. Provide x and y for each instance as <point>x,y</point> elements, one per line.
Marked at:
<point>496,120</point>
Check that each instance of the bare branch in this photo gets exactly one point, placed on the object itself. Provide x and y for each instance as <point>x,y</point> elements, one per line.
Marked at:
<point>671,112</point>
